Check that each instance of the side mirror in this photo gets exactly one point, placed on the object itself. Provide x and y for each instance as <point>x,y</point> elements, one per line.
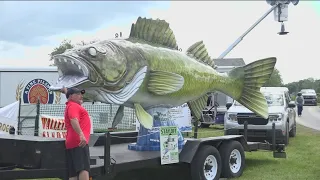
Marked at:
<point>292,104</point>
<point>228,105</point>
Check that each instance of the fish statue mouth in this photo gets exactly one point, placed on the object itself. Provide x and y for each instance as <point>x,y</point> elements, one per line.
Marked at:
<point>75,71</point>
<point>72,72</point>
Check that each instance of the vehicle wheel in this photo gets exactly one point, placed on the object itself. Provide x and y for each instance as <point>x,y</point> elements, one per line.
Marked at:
<point>206,164</point>
<point>233,159</point>
<point>293,131</point>
<point>286,138</point>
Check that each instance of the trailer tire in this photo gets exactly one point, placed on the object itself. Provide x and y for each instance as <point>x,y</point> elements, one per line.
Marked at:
<point>232,150</point>
<point>206,157</point>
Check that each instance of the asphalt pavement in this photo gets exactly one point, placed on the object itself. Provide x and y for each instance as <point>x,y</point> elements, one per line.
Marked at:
<point>310,117</point>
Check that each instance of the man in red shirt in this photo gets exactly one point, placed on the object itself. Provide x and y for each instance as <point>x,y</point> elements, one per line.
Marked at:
<point>78,135</point>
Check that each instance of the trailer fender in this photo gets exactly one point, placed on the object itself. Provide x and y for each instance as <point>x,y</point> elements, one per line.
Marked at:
<point>191,146</point>
<point>189,151</point>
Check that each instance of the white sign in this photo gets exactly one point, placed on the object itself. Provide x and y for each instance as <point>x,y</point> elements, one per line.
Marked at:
<point>169,145</point>
<point>54,126</point>
<point>9,118</point>
<point>181,115</point>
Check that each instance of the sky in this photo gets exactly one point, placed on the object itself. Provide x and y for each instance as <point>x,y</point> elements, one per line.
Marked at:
<point>29,33</point>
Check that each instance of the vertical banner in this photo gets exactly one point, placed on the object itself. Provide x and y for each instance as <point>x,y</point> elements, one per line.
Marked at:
<point>169,144</point>
<point>54,126</point>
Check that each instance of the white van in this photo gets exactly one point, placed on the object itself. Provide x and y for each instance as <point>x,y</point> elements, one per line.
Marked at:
<point>281,111</point>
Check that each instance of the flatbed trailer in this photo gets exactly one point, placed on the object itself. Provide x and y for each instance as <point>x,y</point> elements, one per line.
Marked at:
<point>42,157</point>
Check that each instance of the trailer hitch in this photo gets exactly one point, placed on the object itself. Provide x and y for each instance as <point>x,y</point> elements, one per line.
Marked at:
<point>279,153</point>
<point>278,149</point>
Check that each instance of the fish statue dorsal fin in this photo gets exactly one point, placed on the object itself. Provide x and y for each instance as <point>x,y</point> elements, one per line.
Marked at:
<point>199,51</point>
<point>154,32</point>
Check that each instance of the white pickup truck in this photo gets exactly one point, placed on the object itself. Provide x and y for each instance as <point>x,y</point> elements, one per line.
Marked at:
<point>281,111</point>
<point>309,96</point>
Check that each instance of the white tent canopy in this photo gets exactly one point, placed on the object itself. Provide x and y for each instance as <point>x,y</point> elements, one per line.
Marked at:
<point>9,117</point>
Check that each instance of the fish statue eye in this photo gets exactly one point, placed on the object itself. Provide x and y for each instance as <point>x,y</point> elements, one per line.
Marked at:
<point>92,51</point>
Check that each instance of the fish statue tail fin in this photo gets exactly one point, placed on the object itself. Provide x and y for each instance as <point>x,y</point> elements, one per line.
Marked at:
<point>251,78</point>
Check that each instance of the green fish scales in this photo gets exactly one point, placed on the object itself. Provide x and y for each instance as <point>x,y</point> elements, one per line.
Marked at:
<point>194,78</point>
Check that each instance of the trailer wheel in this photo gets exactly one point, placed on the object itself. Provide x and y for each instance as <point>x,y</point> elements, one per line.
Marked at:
<point>233,159</point>
<point>206,164</point>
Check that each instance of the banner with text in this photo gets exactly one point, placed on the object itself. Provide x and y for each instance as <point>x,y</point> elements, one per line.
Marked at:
<point>9,118</point>
<point>54,126</point>
<point>181,115</point>
<point>169,145</point>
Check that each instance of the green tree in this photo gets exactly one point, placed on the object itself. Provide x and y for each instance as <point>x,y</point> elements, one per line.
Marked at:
<point>293,87</point>
<point>275,79</point>
<point>309,83</point>
<point>65,45</point>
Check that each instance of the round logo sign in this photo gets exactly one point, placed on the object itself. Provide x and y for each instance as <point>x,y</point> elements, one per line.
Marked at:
<point>38,88</point>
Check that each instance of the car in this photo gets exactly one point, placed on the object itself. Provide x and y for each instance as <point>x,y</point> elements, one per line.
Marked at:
<point>281,112</point>
<point>309,96</point>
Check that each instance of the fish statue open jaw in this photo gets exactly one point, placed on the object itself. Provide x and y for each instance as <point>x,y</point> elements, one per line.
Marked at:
<point>147,71</point>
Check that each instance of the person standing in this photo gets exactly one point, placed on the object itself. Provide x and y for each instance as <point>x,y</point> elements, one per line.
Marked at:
<point>299,103</point>
<point>78,128</point>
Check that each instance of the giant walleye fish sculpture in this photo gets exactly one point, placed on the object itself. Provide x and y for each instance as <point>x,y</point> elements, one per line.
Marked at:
<point>147,71</point>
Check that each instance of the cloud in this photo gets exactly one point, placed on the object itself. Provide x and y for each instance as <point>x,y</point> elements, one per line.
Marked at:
<point>12,54</point>
<point>219,24</point>
<point>22,44</point>
<point>32,21</point>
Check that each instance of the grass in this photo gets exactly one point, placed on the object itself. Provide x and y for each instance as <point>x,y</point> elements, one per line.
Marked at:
<point>302,163</point>
<point>302,160</point>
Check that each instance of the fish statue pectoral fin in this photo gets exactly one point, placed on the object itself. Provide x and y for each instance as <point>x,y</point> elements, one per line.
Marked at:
<point>253,77</point>
<point>198,105</point>
<point>162,83</point>
<point>118,117</point>
<point>145,119</point>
